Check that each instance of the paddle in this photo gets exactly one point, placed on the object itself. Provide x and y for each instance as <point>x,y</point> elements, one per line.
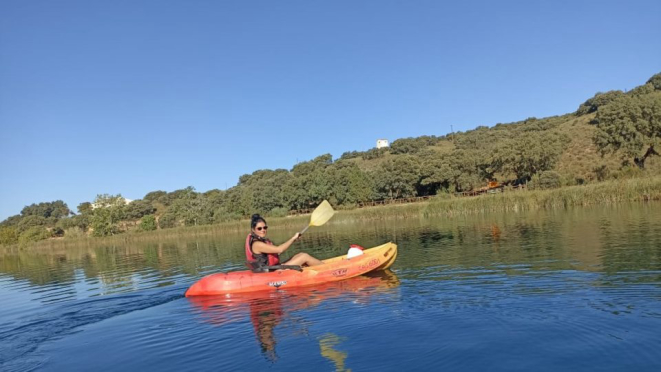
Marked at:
<point>320,215</point>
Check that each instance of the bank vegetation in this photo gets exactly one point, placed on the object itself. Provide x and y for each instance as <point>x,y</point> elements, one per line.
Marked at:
<point>605,152</point>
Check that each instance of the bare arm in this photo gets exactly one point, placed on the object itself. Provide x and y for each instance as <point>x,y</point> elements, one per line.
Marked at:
<point>261,247</point>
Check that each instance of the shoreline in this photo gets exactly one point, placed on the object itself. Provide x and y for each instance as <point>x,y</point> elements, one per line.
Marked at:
<point>604,193</point>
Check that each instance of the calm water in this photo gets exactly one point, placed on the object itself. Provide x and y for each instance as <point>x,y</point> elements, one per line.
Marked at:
<point>577,290</point>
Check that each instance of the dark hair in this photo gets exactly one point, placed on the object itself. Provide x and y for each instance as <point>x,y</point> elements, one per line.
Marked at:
<point>255,219</point>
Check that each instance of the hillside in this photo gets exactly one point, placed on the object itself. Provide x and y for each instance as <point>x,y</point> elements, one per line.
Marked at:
<point>610,136</point>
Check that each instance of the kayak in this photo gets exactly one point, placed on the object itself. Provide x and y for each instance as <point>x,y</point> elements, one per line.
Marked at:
<point>332,269</point>
<point>228,308</point>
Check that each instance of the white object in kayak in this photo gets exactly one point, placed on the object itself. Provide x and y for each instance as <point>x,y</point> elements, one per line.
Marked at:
<point>354,250</point>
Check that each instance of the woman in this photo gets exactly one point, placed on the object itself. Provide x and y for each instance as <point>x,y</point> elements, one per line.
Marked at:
<point>261,250</point>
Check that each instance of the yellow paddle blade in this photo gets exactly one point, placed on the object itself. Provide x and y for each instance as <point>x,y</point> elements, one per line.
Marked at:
<point>322,214</point>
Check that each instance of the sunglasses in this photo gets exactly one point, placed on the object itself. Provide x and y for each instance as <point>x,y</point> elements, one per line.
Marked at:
<point>262,228</point>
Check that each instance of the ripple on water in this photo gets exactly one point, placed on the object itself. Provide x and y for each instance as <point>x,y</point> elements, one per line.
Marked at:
<point>24,335</point>
<point>569,290</point>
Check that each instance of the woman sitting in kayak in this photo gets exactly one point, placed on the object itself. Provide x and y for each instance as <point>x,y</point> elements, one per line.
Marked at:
<point>261,250</point>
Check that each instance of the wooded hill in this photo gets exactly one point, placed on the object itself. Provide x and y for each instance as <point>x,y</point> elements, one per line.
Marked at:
<point>611,135</point>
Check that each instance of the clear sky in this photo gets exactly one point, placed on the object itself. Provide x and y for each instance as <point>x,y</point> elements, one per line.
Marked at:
<point>133,96</point>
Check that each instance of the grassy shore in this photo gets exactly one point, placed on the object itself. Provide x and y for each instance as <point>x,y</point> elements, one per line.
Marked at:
<point>604,193</point>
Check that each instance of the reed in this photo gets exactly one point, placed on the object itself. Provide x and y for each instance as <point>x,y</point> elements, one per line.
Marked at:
<point>604,193</point>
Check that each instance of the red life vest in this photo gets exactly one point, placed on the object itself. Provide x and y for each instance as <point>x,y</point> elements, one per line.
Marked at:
<point>269,259</point>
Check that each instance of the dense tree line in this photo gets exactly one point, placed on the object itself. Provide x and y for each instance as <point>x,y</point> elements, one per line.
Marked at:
<point>632,125</point>
<point>628,124</point>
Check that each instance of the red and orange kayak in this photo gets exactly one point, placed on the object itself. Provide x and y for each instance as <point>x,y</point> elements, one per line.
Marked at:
<point>333,269</point>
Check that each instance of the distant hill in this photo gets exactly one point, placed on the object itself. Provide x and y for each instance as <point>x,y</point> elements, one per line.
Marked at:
<point>562,144</point>
<point>611,135</point>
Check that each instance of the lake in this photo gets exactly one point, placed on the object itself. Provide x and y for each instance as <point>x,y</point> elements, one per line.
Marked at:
<point>576,289</point>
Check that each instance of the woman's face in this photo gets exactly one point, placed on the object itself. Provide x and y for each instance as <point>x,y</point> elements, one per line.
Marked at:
<point>260,229</point>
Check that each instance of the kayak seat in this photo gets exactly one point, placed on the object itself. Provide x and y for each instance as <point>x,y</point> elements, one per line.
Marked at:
<point>255,268</point>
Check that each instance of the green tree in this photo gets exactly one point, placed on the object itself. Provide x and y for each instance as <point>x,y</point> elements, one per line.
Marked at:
<point>108,211</point>
<point>107,200</point>
<point>31,221</point>
<point>549,180</point>
<point>631,124</point>
<point>530,153</point>
<point>192,208</point>
<point>80,221</point>
<point>307,167</point>
<point>349,184</point>
<point>214,193</point>
<point>351,155</point>
<point>266,188</point>
<point>218,205</point>
<point>167,221</point>
<point>154,195</point>
<point>441,172</point>
<point>148,223</point>
<point>56,209</point>
<point>413,145</point>
<point>308,184</point>
<point>138,208</point>
<point>8,235</point>
<point>33,234</point>
<point>12,220</point>
<point>655,81</point>
<point>85,208</point>
<point>375,153</point>
<point>599,100</point>
<point>169,198</point>
<point>104,221</point>
<point>397,177</point>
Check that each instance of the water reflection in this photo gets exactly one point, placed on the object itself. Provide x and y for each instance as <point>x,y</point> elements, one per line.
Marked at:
<point>585,275</point>
<point>267,309</point>
<point>327,345</point>
<point>613,240</point>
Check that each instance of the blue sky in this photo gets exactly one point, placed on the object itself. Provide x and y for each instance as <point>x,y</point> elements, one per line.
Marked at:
<point>135,96</point>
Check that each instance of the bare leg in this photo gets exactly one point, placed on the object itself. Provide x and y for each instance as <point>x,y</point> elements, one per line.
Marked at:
<point>301,259</point>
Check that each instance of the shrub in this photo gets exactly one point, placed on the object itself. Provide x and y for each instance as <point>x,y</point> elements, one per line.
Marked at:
<point>104,221</point>
<point>278,212</point>
<point>549,180</point>
<point>138,208</point>
<point>30,221</point>
<point>601,172</point>
<point>375,153</point>
<point>655,81</point>
<point>599,99</point>
<point>148,223</point>
<point>167,221</point>
<point>224,216</point>
<point>57,231</point>
<point>74,232</point>
<point>628,172</point>
<point>33,234</point>
<point>443,195</point>
<point>8,236</point>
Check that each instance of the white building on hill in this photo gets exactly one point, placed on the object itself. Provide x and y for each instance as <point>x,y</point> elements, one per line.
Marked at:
<point>382,143</point>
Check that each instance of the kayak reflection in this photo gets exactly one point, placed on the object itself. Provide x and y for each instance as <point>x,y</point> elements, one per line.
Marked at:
<point>268,309</point>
